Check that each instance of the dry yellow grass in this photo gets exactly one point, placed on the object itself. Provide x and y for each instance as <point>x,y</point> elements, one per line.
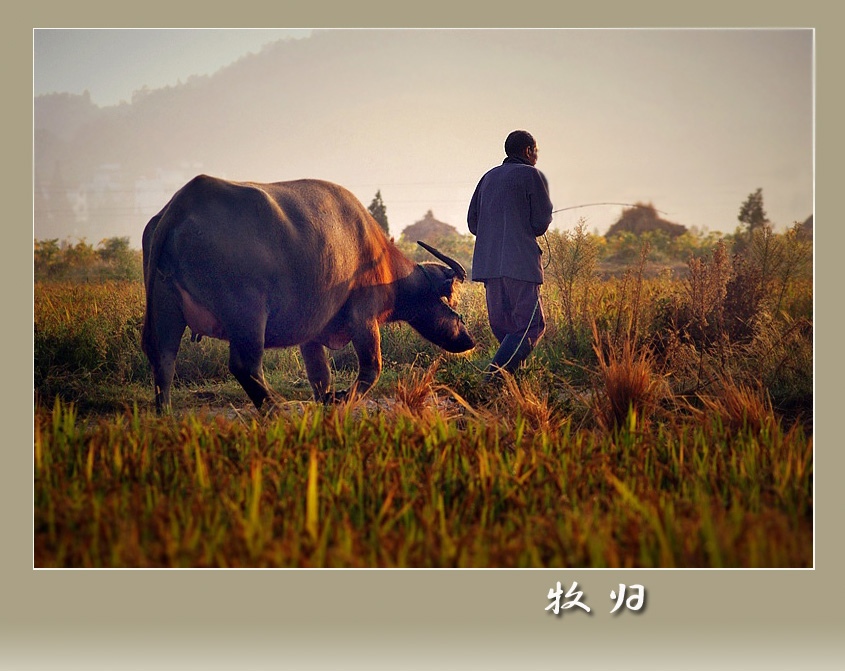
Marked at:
<point>627,383</point>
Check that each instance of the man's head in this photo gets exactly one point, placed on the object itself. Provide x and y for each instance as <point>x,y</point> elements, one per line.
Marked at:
<point>521,144</point>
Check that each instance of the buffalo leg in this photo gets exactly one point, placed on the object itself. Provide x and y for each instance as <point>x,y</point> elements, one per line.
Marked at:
<point>162,345</point>
<point>245,354</point>
<point>367,343</point>
<point>317,368</point>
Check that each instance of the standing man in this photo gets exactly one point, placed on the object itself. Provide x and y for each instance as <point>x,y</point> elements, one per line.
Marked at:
<point>509,210</point>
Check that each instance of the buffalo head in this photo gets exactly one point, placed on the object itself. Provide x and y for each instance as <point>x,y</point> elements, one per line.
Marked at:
<point>429,304</point>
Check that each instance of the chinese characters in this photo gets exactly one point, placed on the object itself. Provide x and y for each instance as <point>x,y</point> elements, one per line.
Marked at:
<point>576,601</point>
<point>634,602</point>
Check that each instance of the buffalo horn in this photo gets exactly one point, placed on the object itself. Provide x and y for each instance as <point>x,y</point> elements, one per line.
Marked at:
<point>454,265</point>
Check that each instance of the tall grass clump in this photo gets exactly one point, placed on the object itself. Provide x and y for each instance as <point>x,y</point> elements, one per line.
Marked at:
<point>739,406</point>
<point>627,384</point>
<point>626,318</point>
<point>88,332</point>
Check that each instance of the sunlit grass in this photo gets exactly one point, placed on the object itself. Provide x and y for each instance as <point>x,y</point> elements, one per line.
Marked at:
<point>354,487</point>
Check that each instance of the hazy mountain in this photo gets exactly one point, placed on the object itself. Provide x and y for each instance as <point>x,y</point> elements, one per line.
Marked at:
<point>333,106</point>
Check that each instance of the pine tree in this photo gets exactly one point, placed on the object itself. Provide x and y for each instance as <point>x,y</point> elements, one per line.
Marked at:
<point>752,213</point>
<point>379,211</point>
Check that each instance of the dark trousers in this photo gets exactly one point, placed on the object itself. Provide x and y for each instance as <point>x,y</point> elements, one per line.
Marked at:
<point>514,307</point>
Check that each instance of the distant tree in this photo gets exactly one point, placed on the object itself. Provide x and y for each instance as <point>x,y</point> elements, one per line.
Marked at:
<point>113,260</point>
<point>752,213</point>
<point>111,249</point>
<point>805,229</point>
<point>119,259</point>
<point>80,256</point>
<point>753,216</point>
<point>47,257</point>
<point>379,211</point>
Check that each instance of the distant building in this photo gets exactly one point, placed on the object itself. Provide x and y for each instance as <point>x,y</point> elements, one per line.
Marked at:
<point>428,229</point>
<point>643,219</point>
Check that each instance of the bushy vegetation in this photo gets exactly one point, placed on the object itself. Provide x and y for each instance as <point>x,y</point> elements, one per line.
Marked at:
<point>111,259</point>
<point>665,419</point>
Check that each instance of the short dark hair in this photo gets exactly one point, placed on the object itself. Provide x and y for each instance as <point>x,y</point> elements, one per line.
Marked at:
<point>517,142</point>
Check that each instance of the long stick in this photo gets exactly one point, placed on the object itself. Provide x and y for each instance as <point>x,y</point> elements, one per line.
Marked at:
<point>575,207</point>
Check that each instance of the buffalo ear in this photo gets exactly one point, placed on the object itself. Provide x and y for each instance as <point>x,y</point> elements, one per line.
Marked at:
<point>446,287</point>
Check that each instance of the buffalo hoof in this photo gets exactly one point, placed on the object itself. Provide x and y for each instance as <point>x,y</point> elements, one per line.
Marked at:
<point>338,397</point>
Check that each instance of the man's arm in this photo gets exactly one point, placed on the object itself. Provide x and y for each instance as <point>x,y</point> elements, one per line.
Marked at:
<point>472,214</point>
<point>540,204</point>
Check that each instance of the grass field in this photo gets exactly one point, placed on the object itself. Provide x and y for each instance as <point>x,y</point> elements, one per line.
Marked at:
<point>663,421</point>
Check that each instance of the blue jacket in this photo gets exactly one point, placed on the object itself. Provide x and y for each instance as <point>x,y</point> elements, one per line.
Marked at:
<point>509,210</point>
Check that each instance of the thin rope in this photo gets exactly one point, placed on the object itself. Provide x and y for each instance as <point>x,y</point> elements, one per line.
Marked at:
<point>525,334</point>
<point>537,304</point>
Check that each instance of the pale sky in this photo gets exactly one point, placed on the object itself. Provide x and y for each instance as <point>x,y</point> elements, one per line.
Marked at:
<point>111,64</point>
<point>690,120</point>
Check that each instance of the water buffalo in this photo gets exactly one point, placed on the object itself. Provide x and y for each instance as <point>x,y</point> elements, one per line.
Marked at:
<point>276,265</point>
